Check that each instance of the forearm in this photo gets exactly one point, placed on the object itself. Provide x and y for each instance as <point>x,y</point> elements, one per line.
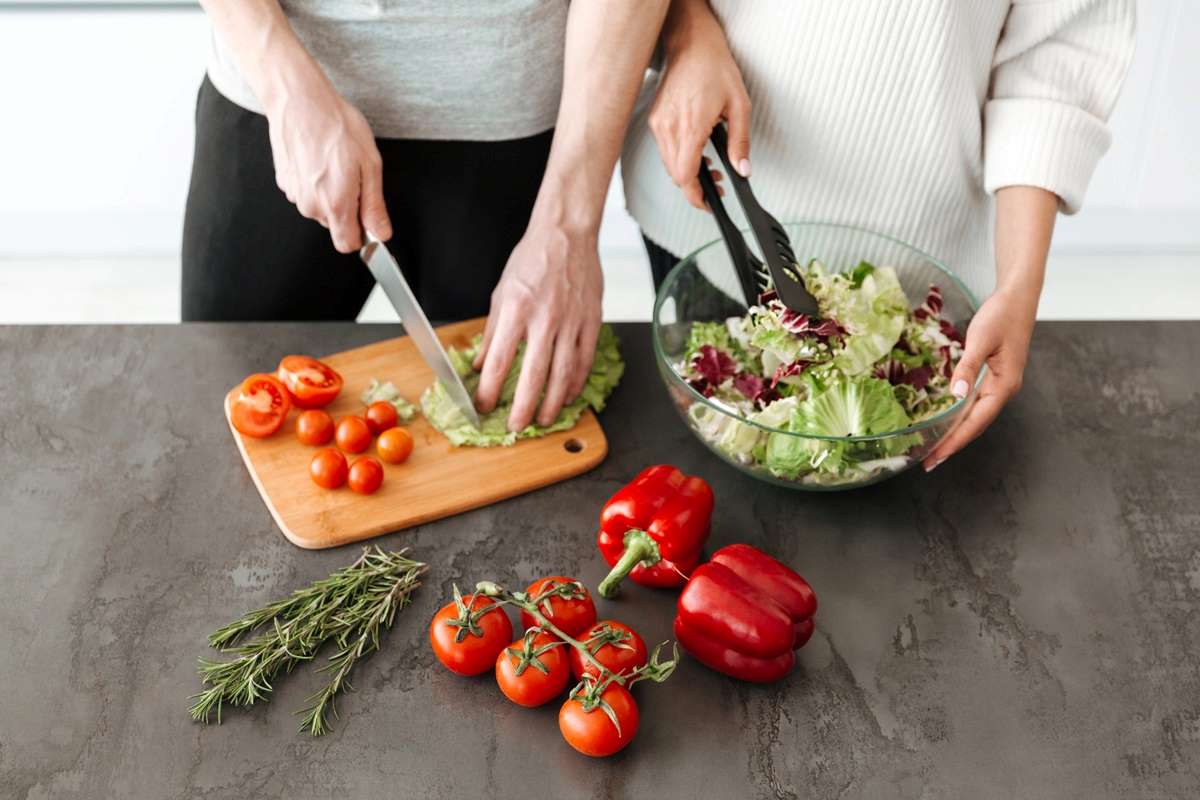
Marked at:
<point>1024,225</point>
<point>271,57</point>
<point>688,22</point>
<point>608,45</point>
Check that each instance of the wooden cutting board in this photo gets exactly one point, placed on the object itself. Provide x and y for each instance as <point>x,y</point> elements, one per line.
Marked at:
<point>438,479</point>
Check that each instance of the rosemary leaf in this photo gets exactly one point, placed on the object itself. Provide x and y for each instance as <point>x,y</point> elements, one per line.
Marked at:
<point>350,607</point>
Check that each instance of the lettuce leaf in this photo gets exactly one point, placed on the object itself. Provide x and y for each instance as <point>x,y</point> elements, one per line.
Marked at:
<point>443,414</point>
<point>871,306</point>
<point>713,334</point>
<point>388,393</point>
<point>847,407</point>
<point>851,407</point>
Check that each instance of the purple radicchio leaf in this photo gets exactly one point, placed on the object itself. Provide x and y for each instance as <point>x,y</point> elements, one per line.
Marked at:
<point>755,388</point>
<point>788,370</point>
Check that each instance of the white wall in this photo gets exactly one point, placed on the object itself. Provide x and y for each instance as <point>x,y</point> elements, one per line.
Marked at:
<point>96,122</point>
<point>95,147</point>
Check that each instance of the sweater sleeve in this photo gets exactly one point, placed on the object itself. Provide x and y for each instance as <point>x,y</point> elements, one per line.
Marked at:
<point>1057,70</point>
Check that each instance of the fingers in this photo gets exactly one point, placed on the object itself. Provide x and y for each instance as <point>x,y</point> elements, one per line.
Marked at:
<point>967,371</point>
<point>489,329</point>
<point>680,148</point>
<point>281,163</point>
<point>1000,386</point>
<point>373,210</point>
<point>687,165</point>
<point>562,374</point>
<point>499,359</point>
<point>586,348</point>
<point>539,347</point>
<point>737,113</point>
<point>342,219</point>
<point>980,415</point>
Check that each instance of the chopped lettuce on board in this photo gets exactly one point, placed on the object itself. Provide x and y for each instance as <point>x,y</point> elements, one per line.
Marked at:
<point>493,431</point>
<point>868,366</point>
<point>388,393</point>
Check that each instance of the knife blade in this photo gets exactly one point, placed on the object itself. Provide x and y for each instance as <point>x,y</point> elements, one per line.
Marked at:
<point>385,269</point>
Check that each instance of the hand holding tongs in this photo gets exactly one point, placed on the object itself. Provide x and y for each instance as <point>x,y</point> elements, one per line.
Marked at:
<point>772,239</point>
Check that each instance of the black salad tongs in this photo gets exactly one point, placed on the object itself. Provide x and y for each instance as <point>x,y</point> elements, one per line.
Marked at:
<point>771,237</point>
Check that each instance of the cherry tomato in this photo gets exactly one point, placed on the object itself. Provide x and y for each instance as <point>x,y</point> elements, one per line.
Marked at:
<point>517,670</point>
<point>592,732</point>
<point>366,475</point>
<point>574,614</point>
<point>328,468</point>
<point>381,415</point>
<point>353,435</point>
<point>465,651</point>
<point>314,427</point>
<point>310,383</point>
<point>614,644</point>
<point>261,406</point>
<point>394,445</point>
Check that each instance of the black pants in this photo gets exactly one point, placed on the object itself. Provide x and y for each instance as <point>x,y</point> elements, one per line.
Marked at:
<point>457,211</point>
<point>661,262</point>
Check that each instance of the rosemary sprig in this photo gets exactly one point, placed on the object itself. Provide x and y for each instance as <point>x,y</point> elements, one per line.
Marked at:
<point>377,609</point>
<point>351,606</point>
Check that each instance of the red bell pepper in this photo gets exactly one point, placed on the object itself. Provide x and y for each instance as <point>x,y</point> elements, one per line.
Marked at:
<point>744,614</point>
<point>654,528</point>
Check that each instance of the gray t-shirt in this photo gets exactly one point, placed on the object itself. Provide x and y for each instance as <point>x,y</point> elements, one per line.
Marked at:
<point>429,69</point>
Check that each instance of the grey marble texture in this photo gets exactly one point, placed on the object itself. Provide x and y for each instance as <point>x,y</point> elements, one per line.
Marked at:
<point>1021,623</point>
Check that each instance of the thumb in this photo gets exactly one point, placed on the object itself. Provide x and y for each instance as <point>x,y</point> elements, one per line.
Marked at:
<point>738,117</point>
<point>373,211</point>
<point>965,374</point>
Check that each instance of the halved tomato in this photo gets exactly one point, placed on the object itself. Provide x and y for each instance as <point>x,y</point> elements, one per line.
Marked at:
<point>310,383</point>
<point>261,407</point>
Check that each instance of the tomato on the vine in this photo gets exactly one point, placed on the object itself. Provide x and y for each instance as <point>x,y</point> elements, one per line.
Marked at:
<point>394,445</point>
<point>314,427</point>
<point>366,475</point>
<point>261,407</point>
<point>353,435</point>
<point>310,383</point>
<point>533,670</point>
<point>592,731</point>
<point>614,644</point>
<point>468,634</point>
<point>381,416</point>
<point>328,468</point>
<point>570,605</point>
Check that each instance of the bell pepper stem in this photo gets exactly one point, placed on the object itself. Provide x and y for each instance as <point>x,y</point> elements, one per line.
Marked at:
<point>639,549</point>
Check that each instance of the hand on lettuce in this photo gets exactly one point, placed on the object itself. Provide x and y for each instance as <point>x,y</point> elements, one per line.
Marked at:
<point>999,337</point>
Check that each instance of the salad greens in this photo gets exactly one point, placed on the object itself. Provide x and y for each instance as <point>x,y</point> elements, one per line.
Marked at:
<point>388,393</point>
<point>868,366</point>
<point>441,412</point>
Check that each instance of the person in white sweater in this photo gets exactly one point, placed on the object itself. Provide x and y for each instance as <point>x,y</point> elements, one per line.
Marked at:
<point>915,119</point>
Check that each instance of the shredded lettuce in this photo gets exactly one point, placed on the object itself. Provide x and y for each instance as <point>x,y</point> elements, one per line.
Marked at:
<point>388,393</point>
<point>868,366</point>
<point>444,415</point>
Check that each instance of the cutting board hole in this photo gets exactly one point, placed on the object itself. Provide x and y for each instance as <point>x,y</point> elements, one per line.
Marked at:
<point>573,446</point>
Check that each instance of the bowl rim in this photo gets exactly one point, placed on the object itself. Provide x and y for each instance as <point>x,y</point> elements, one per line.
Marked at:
<point>930,422</point>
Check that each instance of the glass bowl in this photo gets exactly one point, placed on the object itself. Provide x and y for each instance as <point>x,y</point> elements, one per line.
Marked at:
<point>704,287</point>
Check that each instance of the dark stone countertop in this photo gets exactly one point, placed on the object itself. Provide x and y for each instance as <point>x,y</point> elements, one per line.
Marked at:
<point>1025,622</point>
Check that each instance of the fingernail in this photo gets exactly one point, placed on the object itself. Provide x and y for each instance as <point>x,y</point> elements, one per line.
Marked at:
<point>744,168</point>
<point>930,467</point>
<point>960,388</point>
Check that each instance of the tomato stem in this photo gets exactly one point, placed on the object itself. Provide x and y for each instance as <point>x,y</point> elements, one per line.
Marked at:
<point>530,606</point>
<point>590,689</point>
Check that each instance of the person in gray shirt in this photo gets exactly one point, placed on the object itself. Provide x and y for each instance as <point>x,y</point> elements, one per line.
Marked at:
<point>483,135</point>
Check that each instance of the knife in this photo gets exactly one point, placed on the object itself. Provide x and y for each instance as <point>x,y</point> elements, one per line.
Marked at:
<point>385,269</point>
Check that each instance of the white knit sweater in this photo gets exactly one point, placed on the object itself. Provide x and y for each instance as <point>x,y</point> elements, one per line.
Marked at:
<point>905,116</point>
